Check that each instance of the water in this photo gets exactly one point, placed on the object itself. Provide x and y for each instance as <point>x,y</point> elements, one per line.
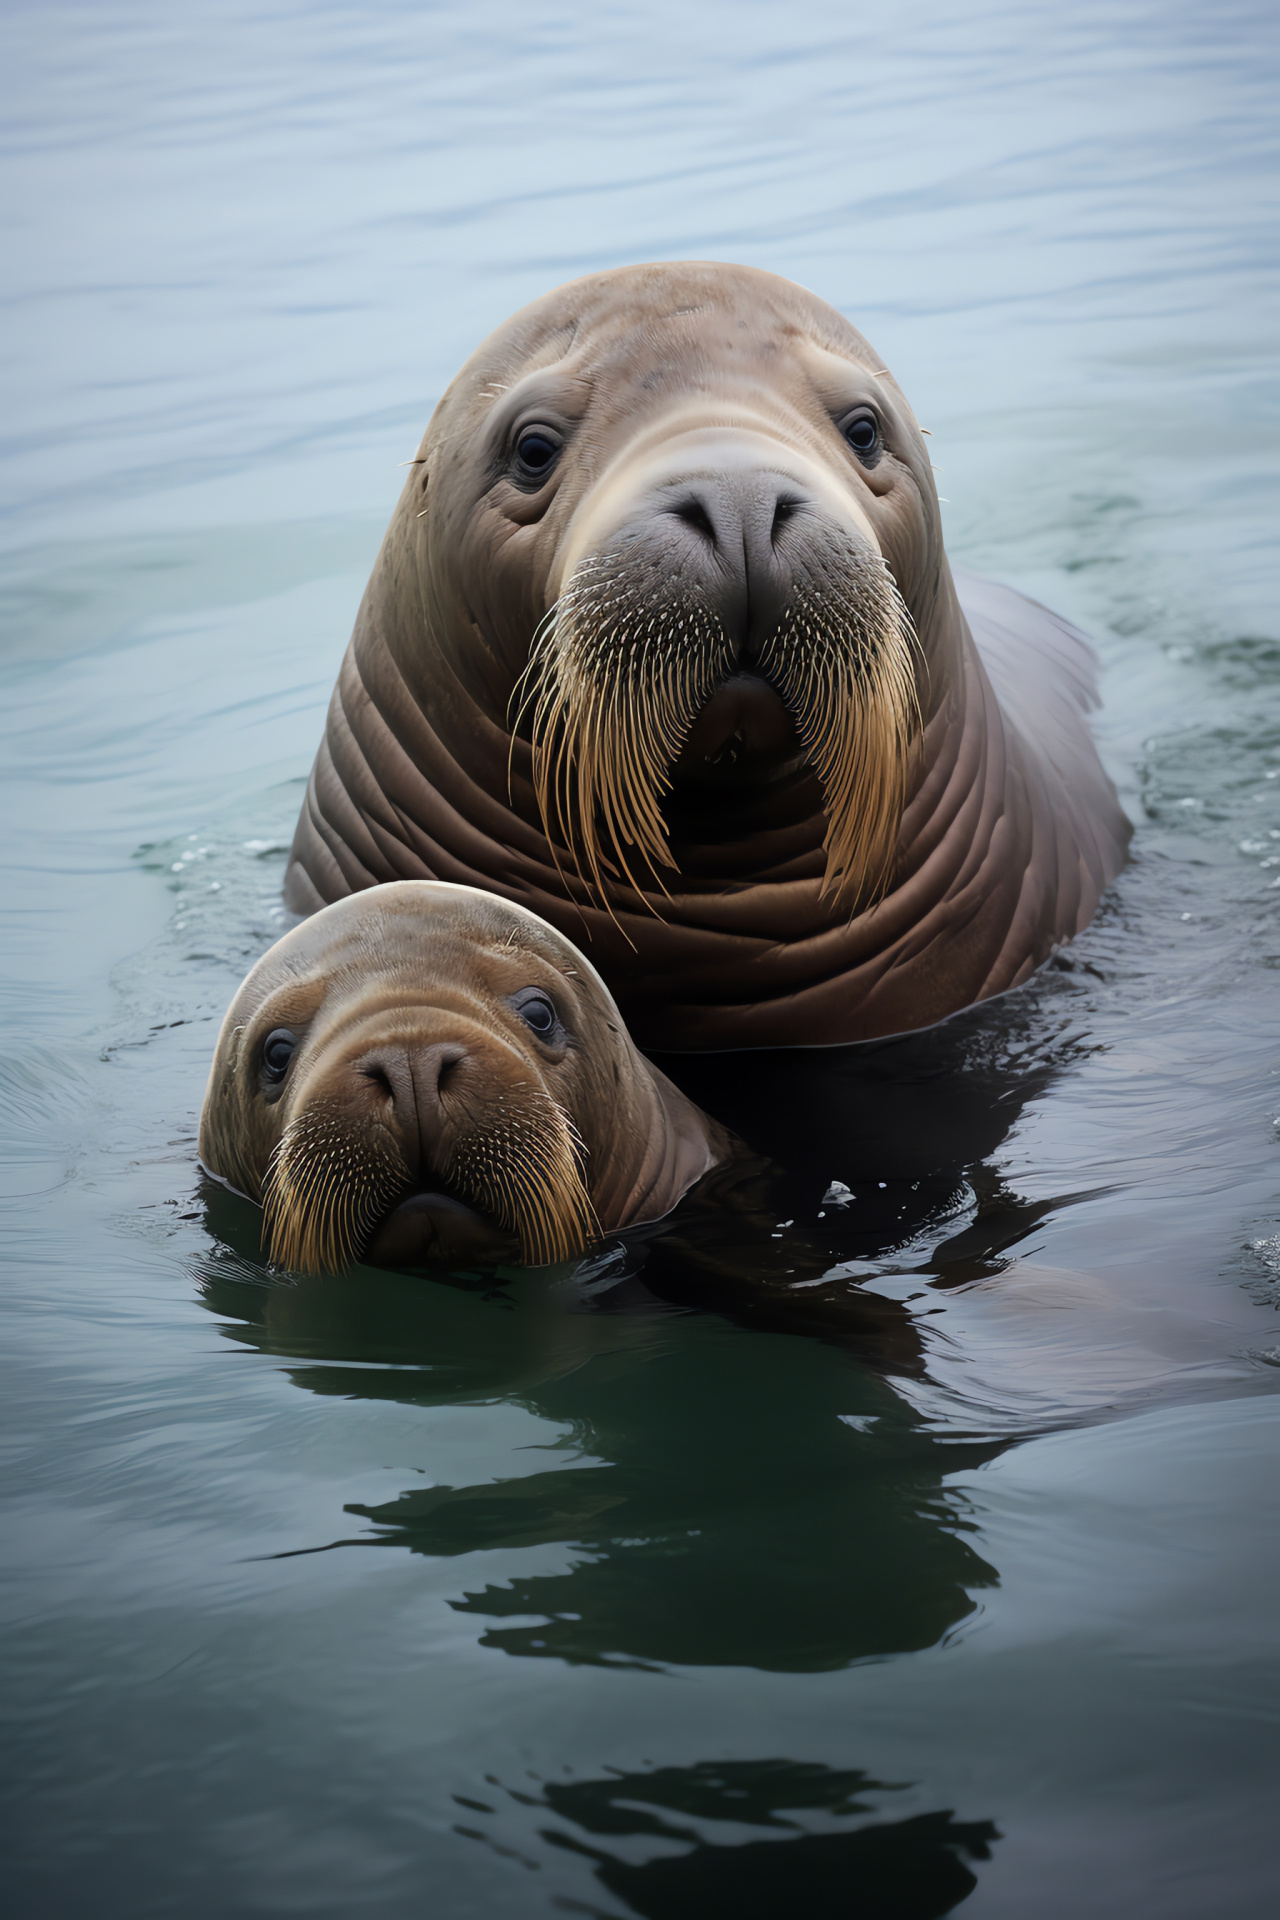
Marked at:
<point>624,1593</point>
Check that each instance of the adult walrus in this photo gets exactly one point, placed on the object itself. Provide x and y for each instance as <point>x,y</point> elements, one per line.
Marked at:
<point>427,1074</point>
<point>663,643</point>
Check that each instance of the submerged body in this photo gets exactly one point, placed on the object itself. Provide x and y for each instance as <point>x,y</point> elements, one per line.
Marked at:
<point>663,644</point>
<point>426,1074</point>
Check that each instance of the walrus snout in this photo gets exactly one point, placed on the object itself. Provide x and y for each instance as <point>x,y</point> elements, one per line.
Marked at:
<point>426,1081</point>
<point>435,1229</point>
<point>722,627</point>
<point>731,536</point>
<point>413,1078</point>
<point>438,1138</point>
<point>744,736</point>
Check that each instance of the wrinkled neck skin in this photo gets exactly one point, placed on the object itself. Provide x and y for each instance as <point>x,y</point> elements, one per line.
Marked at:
<point>651,1158</point>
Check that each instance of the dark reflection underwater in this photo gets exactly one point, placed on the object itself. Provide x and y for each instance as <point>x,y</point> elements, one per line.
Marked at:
<point>895,1529</point>
<point>710,1467</point>
<point>741,1479</point>
<point>705,1470</point>
<point>725,1499</point>
<point>919,1866</point>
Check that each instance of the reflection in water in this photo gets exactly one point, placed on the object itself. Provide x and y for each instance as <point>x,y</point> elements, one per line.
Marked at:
<point>863,1149</point>
<point>809,1862</point>
<point>733,1497</point>
<point>729,1497</point>
<point>922,1107</point>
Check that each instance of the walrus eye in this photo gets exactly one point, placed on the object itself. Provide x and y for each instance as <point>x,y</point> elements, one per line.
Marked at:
<point>862,431</point>
<point>277,1051</point>
<point>538,1015</point>
<point>536,451</point>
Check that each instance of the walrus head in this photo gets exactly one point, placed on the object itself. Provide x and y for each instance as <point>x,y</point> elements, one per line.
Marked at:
<point>686,514</point>
<point>662,643</point>
<point>426,1074</point>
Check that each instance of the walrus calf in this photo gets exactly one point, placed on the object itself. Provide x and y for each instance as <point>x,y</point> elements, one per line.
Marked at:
<point>663,644</point>
<point>427,1074</point>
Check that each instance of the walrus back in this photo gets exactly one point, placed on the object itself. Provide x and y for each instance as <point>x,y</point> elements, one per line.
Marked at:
<point>1044,674</point>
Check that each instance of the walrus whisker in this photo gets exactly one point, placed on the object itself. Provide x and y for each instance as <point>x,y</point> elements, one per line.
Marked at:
<point>527,1173</point>
<point>325,1190</point>
<point>612,712</point>
<point>525,689</point>
<point>614,688</point>
<point>848,672</point>
<point>561,778</point>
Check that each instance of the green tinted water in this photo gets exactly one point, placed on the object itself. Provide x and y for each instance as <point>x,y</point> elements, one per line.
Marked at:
<point>615,1592</point>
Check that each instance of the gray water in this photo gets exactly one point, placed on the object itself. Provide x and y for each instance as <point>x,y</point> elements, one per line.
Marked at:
<point>596,1592</point>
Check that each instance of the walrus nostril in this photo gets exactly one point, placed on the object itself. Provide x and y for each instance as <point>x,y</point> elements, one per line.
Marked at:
<point>412,1079</point>
<point>785,508</point>
<point>431,1069</point>
<point>693,514</point>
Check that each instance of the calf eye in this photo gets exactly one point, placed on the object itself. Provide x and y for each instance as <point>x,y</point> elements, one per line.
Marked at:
<point>538,1014</point>
<point>277,1051</point>
<point>862,431</point>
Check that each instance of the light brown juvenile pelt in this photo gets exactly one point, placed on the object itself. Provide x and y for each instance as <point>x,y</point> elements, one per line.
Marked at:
<point>325,1191</point>
<point>328,1186</point>
<point>525,1169</point>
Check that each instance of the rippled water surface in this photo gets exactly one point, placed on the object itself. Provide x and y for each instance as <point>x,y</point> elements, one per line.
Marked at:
<point>629,1592</point>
